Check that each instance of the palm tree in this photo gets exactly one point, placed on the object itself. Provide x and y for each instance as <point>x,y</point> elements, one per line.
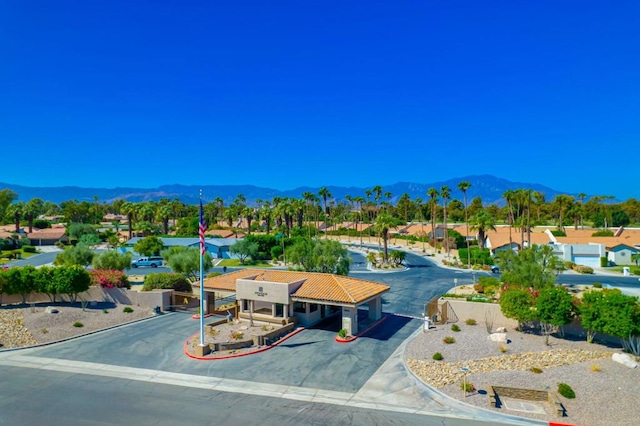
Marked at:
<point>164,213</point>
<point>130,210</point>
<point>446,193</point>
<point>383,223</point>
<point>32,209</point>
<point>325,193</point>
<point>16,210</point>
<point>464,186</point>
<point>482,222</point>
<point>563,204</point>
<point>508,196</point>
<point>433,193</point>
<point>582,196</point>
<point>360,201</point>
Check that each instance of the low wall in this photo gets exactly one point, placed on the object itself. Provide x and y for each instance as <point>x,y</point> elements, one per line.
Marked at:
<point>123,296</point>
<point>476,310</point>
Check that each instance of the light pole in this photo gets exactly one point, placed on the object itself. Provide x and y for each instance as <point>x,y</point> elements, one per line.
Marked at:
<point>464,370</point>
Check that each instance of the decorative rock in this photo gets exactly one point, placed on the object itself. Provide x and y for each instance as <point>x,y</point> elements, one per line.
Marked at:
<point>497,337</point>
<point>501,330</point>
<point>51,310</point>
<point>625,359</point>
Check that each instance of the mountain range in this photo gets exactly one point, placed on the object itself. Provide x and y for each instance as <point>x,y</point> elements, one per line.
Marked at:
<point>488,188</point>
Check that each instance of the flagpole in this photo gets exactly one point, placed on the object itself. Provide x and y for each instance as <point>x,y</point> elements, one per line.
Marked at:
<point>201,230</point>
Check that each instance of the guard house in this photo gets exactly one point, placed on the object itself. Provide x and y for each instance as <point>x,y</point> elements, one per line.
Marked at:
<point>305,297</point>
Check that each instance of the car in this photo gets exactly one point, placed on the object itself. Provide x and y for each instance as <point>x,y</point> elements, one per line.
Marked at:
<point>152,261</point>
<point>495,269</point>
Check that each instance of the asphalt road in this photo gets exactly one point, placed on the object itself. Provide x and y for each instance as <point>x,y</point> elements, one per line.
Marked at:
<point>31,397</point>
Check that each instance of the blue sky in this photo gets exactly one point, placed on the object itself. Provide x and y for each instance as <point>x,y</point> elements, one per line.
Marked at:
<point>292,93</point>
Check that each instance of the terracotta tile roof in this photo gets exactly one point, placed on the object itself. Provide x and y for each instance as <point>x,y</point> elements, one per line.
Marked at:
<point>316,286</point>
<point>47,233</point>
<point>500,237</point>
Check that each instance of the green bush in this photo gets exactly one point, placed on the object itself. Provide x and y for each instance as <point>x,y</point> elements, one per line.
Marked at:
<point>28,249</point>
<point>478,257</point>
<point>558,233</point>
<point>470,321</point>
<point>568,264</point>
<point>597,285</point>
<point>604,262</point>
<point>566,391</point>
<point>166,280</point>
<point>342,333</point>
<point>127,310</point>
<point>603,233</point>
<point>438,356</point>
<point>467,386</point>
<point>454,327</point>
<point>449,340</point>
<point>104,311</point>
<point>78,324</point>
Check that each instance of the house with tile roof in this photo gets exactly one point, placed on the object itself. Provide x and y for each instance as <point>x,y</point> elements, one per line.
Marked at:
<point>621,254</point>
<point>48,236</point>
<point>306,297</point>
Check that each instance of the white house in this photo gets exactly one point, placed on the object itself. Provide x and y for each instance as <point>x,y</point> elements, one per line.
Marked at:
<point>620,254</point>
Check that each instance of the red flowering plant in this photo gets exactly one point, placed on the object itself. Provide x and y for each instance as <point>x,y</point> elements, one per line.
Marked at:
<point>106,278</point>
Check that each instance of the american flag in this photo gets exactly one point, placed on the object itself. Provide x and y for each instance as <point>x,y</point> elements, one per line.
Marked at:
<point>202,228</point>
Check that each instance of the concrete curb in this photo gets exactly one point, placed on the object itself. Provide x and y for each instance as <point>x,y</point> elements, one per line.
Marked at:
<point>201,358</point>
<point>362,333</point>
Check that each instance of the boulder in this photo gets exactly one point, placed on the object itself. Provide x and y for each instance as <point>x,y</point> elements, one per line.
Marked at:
<point>501,330</point>
<point>51,310</point>
<point>625,359</point>
<point>497,337</point>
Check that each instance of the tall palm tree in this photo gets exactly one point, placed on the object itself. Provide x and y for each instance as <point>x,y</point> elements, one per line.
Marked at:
<point>383,222</point>
<point>433,193</point>
<point>325,193</point>
<point>164,213</point>
<point>360,201</point>
<point>508,196</point>
<point>482,222</point>
<point>582,196</point>
<point>445,192</point>
<point>464,186</point>
<point>130,209</point>
<point>16,210</point>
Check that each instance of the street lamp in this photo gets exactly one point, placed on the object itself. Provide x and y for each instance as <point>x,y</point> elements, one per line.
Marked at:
<point>464,370</point>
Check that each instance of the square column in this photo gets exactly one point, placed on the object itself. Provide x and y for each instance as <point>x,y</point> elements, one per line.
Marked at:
<point>375,309</point>
<point>350,320</point>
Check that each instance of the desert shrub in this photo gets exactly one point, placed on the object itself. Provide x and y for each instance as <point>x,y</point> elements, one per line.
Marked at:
<point>449,340</point>
<point>503,348</point>
<point>597,285</point>
<point>595,368</point>
<point>467,386</point>
<point>568,264</point>
<point>566,391</point>
<point>109,278</point>
<point>236,335</point>
<point>478,287</point>
<point>127,309</point>
<point>582,269</point>
<point>470,321</point>
<point>104,311</point>
<point>166,280</point>
<point>454,327</point>
<point>438,356</point>
<point>78,324</point>
<point>28,249</point>
<point>535,370</point>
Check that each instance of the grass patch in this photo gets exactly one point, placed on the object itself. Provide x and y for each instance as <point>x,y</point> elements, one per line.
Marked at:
<point>470,321</point>
<point>235,263</point>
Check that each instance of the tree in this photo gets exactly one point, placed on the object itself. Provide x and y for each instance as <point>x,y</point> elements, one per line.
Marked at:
<point>532,268</point>
<point>7,197</point>
<point>482,222</point>
<point>149,246</point>
<point>112,260</point>
<point>45,282</point>
<point>325,193</point>
<point>445,192</point>
<point>31,211</point>
<point>186,260</point>
<point>518,304</point>
<point>313,255</point>
<point>15,211</point>
<point>616,314</point>
<point>433,193</point>
<point>244,249</point>
<point>464,186</point>
<point>89,240</point>
<point>383,222</point>
<point>71,280</point>
<point>77,230</point>
<point>555,309</point>
<point>79,255</point>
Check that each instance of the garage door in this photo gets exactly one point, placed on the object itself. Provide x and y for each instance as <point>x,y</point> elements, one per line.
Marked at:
<point>593,261</point>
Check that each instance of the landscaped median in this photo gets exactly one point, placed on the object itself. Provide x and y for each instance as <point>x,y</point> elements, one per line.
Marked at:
<point>344,338</point>
<point>226,340</point>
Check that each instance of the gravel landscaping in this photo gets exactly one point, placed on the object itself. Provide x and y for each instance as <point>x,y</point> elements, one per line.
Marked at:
<point>606,392</point>
<point>26,326</point>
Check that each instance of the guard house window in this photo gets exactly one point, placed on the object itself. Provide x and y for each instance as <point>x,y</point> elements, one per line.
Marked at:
<point>245,305</point>
<point>279,310</point>
<point>313,307</point>
<point>300,307</point>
